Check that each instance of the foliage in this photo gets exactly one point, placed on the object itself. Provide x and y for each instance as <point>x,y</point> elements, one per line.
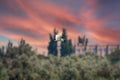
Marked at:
<point>21,63</point>
<point>66,46</point>
<point>3,72</point>
<point>52,47</point>
<point>115,55</point>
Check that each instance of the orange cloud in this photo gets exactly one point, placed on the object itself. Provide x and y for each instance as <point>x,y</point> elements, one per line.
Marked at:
<point>107,35</point>
<point>41,17</point>
<point>38,23</point>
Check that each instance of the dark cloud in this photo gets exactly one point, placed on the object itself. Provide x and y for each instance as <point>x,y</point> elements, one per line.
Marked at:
<point>11,8</point>
<point>36,18</point>
<point>22,31</point>
<point>107,2</point>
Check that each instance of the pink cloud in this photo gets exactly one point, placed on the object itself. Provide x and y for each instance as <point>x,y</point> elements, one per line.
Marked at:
<point>42,17</point>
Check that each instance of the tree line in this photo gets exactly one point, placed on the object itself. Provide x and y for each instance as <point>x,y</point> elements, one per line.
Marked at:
<point>22,63</point>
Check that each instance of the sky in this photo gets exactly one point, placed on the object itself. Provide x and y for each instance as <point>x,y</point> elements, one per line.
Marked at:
<point>33,20</point>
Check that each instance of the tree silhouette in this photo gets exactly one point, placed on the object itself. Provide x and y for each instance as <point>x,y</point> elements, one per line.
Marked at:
<point>66,45</point>
<point>83,41</point>
<point>52,47</point>
<point>2,52</point>
<point>80,40</point>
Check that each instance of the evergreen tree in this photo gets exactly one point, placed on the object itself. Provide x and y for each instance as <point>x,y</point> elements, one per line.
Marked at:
<point>9,49</point>
<point>64,35</point>
<point>80,40</point>
<point>86,43</point>
<point>83,41</point>
<point>66,45</point>
<point>25,48</point>
<point>55,43</point>
<point>71,48</point>
<point>21,46</point>
<point>22,42</point>
<point>10,45</point>
<point>1,53</point>
<point>52,47</point>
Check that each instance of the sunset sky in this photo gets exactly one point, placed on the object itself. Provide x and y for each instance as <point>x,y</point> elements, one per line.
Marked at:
<point>33,20</point>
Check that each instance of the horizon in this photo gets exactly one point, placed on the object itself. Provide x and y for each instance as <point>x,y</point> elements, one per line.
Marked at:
<point>34,20</point>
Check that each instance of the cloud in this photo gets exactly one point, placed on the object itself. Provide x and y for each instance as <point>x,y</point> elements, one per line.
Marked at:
<point>40,21</point>
<point>34,20</point>
<point>107,35</point>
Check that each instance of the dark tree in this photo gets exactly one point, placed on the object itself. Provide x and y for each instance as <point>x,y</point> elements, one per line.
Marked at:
<point>52,47</point>
<point>86,43</point>
<point>64,35</point>
<point>25,48</point>
<point>2,52</point>
<point>96,49</point>
<point>55,43</point>
<point>21,46</point>
<point>80,40</point>
<point>9,49</point>
<point>106,50</point>
<point>22,42</point>
<point>83,41</point>
<point>66,45</point>
<point>71,48</point>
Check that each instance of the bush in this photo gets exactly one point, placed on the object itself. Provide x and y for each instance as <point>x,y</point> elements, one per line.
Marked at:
<point>3,72</point>
<point>115,56</point>
<point>26,65</point>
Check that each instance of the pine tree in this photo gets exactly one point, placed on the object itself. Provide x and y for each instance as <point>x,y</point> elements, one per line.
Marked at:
<point>83,41</point>
<point>66,45</point>
<point>23,48</point>
<point>70,46</point>
<point>10,44</point>
<point>9,49</point>
<point>86,43</point>
<point>1,53</point>
<point>55,43</point>
<point>80,40</point>
<point>22,42</point>
<point>52,47</point>
<point>64,35</point>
